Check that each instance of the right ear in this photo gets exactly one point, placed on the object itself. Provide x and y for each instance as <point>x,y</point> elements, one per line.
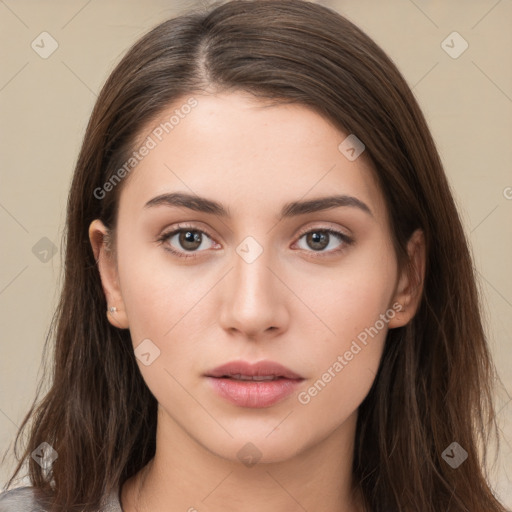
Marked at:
<point>99,237</point>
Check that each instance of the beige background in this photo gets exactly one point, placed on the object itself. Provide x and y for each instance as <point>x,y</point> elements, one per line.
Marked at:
<point>45,105</point>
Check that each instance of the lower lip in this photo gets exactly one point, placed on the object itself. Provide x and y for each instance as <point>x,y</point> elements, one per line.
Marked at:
<point>246,393</point>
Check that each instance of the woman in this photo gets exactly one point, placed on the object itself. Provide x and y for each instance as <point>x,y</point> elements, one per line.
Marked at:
<point>269,299</point>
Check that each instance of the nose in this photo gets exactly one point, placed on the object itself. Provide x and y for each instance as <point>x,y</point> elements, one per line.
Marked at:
<point>253,300</point>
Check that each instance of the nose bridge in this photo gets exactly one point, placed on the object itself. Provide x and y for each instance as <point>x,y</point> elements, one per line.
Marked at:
<point>252,275</point>
<point>251,304</point>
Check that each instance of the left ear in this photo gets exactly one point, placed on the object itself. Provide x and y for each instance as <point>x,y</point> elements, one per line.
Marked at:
<point>410,284</point>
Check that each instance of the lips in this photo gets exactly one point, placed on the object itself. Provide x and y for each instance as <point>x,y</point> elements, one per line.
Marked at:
<point>253,385</point>
<point>258,378</point>
<point>256,371</point>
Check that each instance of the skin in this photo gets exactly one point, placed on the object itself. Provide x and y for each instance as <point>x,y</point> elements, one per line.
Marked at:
<point>286,306</point>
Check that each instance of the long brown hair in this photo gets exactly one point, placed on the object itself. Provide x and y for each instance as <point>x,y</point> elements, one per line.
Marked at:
<point>434,385</point>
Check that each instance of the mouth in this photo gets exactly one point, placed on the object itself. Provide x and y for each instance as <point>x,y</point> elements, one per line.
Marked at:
<point>256,378</point>
<point>262,370</point>
<point>258,385</point>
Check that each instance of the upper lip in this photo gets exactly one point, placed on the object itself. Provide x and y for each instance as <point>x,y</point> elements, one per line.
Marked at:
<point>259,369</point>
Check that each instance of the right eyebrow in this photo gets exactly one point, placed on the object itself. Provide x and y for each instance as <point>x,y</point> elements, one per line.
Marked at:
<point>291,209</point>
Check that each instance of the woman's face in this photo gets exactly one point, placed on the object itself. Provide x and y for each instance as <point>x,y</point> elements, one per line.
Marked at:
<point>263,281</point>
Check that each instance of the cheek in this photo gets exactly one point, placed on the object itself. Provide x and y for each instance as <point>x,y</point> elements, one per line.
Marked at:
<point>169,305</point>
<point>357,310</point>
<point>359,292</point>
<point>344,367</point>
<point>160,301</point>
<point>156,292</point>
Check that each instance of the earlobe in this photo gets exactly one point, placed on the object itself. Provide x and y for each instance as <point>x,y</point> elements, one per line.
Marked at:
<point>101,243</point>
<point>410,285</point>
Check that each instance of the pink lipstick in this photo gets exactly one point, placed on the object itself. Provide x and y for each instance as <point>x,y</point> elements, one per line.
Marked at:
<point>261,384</point>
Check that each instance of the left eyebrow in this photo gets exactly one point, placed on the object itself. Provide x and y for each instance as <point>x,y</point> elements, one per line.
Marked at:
<point>292,209</point>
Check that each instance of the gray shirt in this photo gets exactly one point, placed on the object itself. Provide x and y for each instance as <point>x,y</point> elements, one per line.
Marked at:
<point>27,499</point>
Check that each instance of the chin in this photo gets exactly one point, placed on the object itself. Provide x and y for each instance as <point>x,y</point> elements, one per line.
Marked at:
<point>257,447</point>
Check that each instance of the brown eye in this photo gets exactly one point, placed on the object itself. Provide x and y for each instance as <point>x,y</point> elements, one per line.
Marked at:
<point>189,240</point>
<point>317,240</point>
<point>183,240</point>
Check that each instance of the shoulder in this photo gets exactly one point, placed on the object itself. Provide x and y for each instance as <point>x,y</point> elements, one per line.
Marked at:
<point>23,499</point>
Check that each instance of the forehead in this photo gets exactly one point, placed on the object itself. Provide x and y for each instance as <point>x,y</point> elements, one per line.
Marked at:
<point>247,154</point>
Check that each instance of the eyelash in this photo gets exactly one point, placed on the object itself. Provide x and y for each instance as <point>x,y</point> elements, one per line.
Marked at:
<point>165,236</point>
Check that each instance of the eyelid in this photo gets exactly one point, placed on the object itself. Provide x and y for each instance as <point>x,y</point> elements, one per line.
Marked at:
<point>345,238</point>
<point>314,227</point>
<point>175,230</point>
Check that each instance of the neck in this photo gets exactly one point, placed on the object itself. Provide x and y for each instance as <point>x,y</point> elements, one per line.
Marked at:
<point>186,476</point>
